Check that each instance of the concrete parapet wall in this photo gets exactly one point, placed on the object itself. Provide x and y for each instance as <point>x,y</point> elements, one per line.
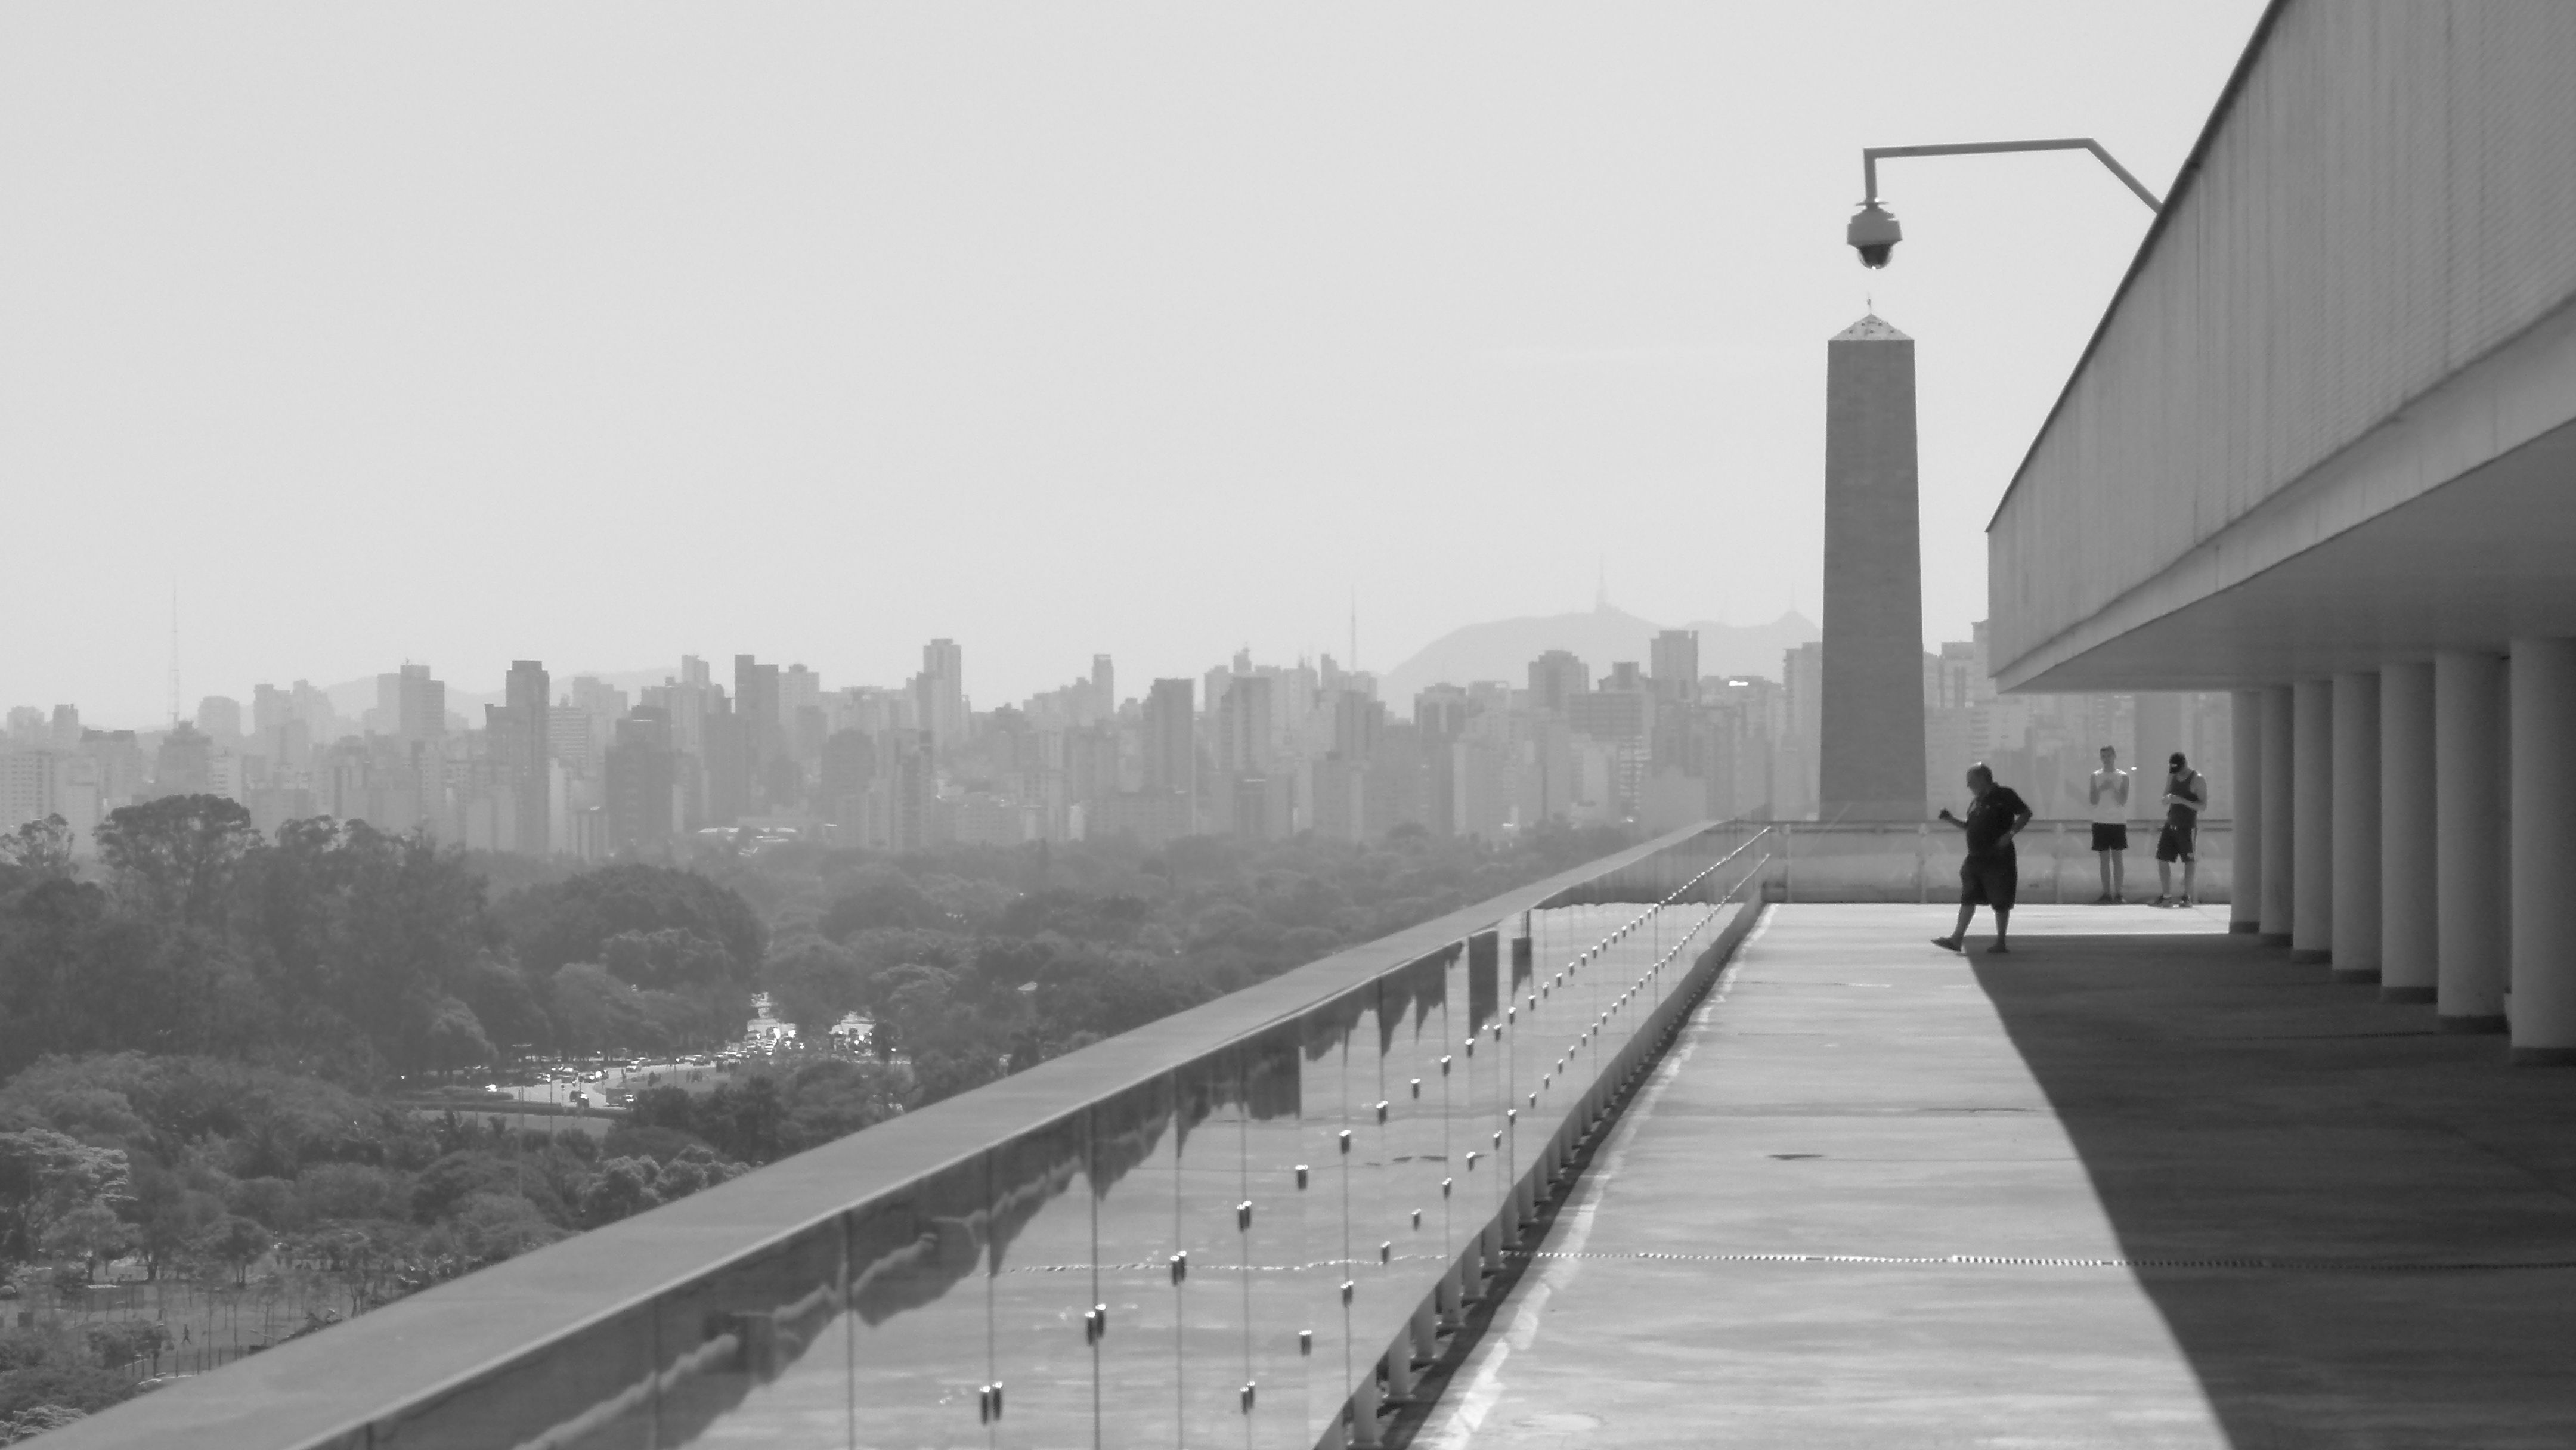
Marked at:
<point>1870,863</point>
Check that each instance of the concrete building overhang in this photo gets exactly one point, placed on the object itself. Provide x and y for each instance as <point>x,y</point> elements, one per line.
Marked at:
<point>2450,526</point>
<point>2323,423</point>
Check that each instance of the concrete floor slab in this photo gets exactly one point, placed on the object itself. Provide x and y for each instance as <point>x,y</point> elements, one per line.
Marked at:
<point>2325,1223</point>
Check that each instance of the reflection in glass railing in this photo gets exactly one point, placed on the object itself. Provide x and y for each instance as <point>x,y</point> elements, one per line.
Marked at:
<point>1261,1246</point>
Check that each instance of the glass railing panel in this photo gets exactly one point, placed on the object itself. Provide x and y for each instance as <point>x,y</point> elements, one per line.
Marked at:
<point>1279,1277</point>
<point>1415,1031</point>
<point>1519,1048</point>
<point>591,1391</point>
<point>919,1340</point>
<point>759,1351</point>
<point>1595,1052</point>
<point>1136,1214</point>
<point>1377,1204</point>
<point>1326,1039</point>
<point>1477,1065</point>
<point>1447,1073</point>
<point>1214,1298</point>
<point>1557,1010</point>
<point>1638,961</point>
<point>1042,1282</point>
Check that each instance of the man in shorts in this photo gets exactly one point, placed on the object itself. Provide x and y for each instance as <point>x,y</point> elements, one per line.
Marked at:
<point>2111,827</point>
<point>1990,875</point>
<point>2185,793</point>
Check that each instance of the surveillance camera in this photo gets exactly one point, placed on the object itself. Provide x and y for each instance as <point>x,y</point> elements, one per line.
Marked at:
<point>1874,234</point>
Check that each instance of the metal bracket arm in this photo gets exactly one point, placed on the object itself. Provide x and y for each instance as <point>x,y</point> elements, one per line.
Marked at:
<point>1869,160</point>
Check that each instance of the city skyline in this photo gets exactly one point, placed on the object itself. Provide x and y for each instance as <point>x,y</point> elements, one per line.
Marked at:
<point>570,765</point>
<point>1174,347</point>
<point>191,692</point>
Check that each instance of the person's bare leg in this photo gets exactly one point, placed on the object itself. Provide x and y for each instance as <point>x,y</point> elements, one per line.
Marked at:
<point>2190,868</point>
<point>2164,879</point>
<point>2003,924</point>
<point>2105,858</point>
<point>2119,876</point>
<point>1959,933</point>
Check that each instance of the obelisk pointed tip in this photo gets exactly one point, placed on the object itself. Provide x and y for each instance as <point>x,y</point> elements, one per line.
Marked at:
<point>1872,328</point>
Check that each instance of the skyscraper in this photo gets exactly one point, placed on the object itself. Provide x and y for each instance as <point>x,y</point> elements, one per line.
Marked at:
<point>757,716</point>
<point>1441,712</point>
<point>526,723</point>
<point>1104,687</point>
<point>1171,740</point>
<point>1802,694</point>
<point>726,764</point>
<point>1244,727</point>
<point>640,773</point>
<point>410,706</point>
<point>220,717</point>
<point>270,710</point>
<point>184,765</point>
<point>1674,659</point>
<point>800,713</point>
<point>912,790</point>
<point>942,688</point>
<point>1555,677</point>
<point>28,787</point>
<point>849,766</point>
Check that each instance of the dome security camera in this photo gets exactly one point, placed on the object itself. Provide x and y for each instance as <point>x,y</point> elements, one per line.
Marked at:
<point>1874,234</point>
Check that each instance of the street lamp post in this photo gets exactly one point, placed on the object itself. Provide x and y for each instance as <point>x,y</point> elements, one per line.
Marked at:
<point>1874,232</point>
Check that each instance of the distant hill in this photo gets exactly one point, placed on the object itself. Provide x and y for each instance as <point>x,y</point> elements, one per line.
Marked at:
<point>1503,649</point>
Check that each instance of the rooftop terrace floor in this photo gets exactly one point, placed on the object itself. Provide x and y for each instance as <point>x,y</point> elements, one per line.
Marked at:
<point>2329,1224</point>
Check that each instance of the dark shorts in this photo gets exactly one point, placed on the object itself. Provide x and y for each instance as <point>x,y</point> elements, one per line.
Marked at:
<point>2174,843</point>
<point>1989,881</point>
<point>2111,837</point>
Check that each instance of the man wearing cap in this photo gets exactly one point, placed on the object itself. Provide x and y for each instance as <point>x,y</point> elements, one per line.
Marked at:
<point>2185,793</point>
<point>1991,875</point>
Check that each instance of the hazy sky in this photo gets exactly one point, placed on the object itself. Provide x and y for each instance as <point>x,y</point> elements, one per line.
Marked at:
<point>603,333</point>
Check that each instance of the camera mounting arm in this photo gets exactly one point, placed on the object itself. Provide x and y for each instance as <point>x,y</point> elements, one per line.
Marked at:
<point>1869,160</point>
<point>1874,233</point>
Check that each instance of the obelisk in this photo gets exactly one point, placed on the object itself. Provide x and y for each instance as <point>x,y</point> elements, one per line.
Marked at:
<point>1872,747</point>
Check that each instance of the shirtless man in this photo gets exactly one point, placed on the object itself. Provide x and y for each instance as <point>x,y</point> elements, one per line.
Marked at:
<point>2111,827</point>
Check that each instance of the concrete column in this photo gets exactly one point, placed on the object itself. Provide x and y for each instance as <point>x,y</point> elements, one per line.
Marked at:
<point>2468,855</point>
<point>2245,891</point>
<point>2409,943</point>
<point>2543,771</point>
<point>2356,827</point>
<point>2312,821</point>
<point>2277,833</point>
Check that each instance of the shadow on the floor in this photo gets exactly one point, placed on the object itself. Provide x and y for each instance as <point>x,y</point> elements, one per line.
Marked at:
<point>2230,1107</point>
